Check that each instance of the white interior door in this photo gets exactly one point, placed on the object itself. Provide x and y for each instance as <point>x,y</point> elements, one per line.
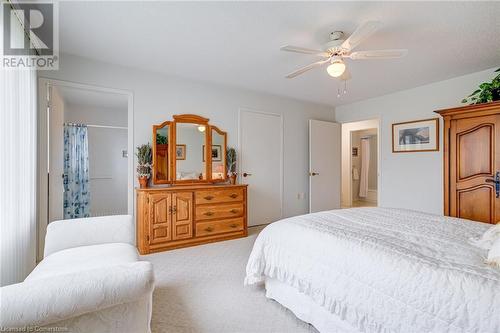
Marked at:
<point>324,165</point>
<point>56,155</point>
<point>261,164</point>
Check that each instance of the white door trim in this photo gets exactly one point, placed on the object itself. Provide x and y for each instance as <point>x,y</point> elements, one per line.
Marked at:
<point>42,158</point>
<point>282,147</point>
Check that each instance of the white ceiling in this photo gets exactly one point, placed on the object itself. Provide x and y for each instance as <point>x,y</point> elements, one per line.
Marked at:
<point>93,98</point>
<point>237,43</point>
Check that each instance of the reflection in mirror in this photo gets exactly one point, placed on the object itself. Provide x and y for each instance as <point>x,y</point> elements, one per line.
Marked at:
<point>161,159</point>
<point>218,155</point>
<point>190,140</point>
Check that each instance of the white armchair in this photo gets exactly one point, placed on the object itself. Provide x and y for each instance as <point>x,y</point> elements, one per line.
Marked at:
<point>90,280</point>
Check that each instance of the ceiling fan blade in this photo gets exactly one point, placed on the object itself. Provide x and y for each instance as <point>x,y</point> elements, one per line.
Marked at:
<point>298,49</point>
<point>361,33</point>
<point>379,54</point>
<point>306,68</point>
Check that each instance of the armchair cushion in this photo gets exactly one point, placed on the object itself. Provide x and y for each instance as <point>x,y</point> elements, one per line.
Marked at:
<point>89,231</point>
<point>84,258</point>
<point>51,300</point>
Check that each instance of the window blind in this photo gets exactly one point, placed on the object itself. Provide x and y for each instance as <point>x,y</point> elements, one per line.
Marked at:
<point>18,130</point>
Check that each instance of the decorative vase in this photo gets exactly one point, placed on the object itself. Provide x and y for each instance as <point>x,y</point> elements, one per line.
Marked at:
<point>232,179</point>
<point>143,181</point>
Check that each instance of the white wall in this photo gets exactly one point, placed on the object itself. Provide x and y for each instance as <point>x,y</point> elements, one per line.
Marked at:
<point>107,166</point>
<point>158,97</point>
<point>412,180</point>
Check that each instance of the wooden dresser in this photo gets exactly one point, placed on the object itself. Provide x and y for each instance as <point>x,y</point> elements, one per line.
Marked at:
<point>187,215</point>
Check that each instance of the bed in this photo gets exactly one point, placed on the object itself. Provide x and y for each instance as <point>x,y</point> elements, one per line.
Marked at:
<point>379,270</point>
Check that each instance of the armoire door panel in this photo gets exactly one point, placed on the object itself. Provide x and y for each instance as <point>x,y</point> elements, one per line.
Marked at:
<point>468,207</point>
<point>160,229</point>
<point>477,142</point>
<point>473,163</point>
<point>182,217</point>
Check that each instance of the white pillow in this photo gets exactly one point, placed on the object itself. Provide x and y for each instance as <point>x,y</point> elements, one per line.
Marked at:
<point>488,238</point>
<point>494,254</point>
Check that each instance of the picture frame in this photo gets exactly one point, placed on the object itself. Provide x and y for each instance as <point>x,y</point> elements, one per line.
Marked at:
<point>354,151</point>
<point>415,136</point>
<point>216,153</point>
<point>180,152</point>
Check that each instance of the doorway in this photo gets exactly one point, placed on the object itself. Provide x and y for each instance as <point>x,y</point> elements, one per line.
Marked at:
<point>360,163</point>
<point>261,164</point>
<point>364,168</point>
<point>85,152</point>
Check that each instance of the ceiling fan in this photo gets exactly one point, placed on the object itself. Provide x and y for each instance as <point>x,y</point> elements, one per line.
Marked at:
<point>338,49</point>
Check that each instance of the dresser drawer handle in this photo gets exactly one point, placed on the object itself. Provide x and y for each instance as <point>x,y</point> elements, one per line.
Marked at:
<point>233,196</point>
<point>234,225</point>
<point>234,211</point>
<point>208,197</point>
<point>209,229</point>
<point>208,213</point>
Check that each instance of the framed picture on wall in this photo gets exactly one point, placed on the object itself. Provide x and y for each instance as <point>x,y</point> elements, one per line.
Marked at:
<point>354,151</point>
<point>216,153</point>
<point>180,152</point>
<point>414,136</point>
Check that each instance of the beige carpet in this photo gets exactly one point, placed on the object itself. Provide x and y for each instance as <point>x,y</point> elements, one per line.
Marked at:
<point>200,289</point>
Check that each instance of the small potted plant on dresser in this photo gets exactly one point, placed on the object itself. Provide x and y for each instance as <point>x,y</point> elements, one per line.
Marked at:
<point>231,165</point>
<point>144,158</point>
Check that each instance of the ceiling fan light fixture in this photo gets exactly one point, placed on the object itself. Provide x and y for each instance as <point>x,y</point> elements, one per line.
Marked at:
<point>336,68</point>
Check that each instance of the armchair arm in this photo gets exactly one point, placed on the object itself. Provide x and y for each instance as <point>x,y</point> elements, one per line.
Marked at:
<point>46,301</point>
<point>89,231</point>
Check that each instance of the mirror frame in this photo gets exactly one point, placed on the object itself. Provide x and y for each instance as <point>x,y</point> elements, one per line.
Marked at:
<point>153,152</point>
<point>172,161</point>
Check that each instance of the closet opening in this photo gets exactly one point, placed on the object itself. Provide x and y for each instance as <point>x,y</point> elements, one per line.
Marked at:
<point>360,164</point>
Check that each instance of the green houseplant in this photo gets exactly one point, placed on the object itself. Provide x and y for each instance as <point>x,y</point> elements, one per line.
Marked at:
<point>144,165</point>
<point>487,92</point>
<point>231,164</point>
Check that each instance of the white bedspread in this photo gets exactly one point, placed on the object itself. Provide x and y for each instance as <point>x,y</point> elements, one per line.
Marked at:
<point>384,270</point>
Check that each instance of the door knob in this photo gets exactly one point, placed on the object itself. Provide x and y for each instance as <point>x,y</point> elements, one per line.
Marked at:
<point>313,173</point>
<point>246,174</point>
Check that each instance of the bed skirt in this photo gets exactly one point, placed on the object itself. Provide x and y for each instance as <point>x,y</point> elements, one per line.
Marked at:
<point>305,309</point>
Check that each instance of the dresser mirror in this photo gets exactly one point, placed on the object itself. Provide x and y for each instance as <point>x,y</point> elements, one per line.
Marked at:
<point>161,153</point>
<point>188,150</point>
<point>218,153</point>
<point>190,140</point>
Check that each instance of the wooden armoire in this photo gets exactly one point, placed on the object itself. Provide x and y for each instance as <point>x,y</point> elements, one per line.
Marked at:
<point>472,162</point>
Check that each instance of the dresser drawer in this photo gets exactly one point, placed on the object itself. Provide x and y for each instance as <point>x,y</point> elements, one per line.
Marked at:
<point>221,211</point>
<point>215,195</point>
<point>218,227</point>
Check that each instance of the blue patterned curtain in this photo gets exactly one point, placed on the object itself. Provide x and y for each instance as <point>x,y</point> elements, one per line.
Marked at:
<point>76,172</point>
